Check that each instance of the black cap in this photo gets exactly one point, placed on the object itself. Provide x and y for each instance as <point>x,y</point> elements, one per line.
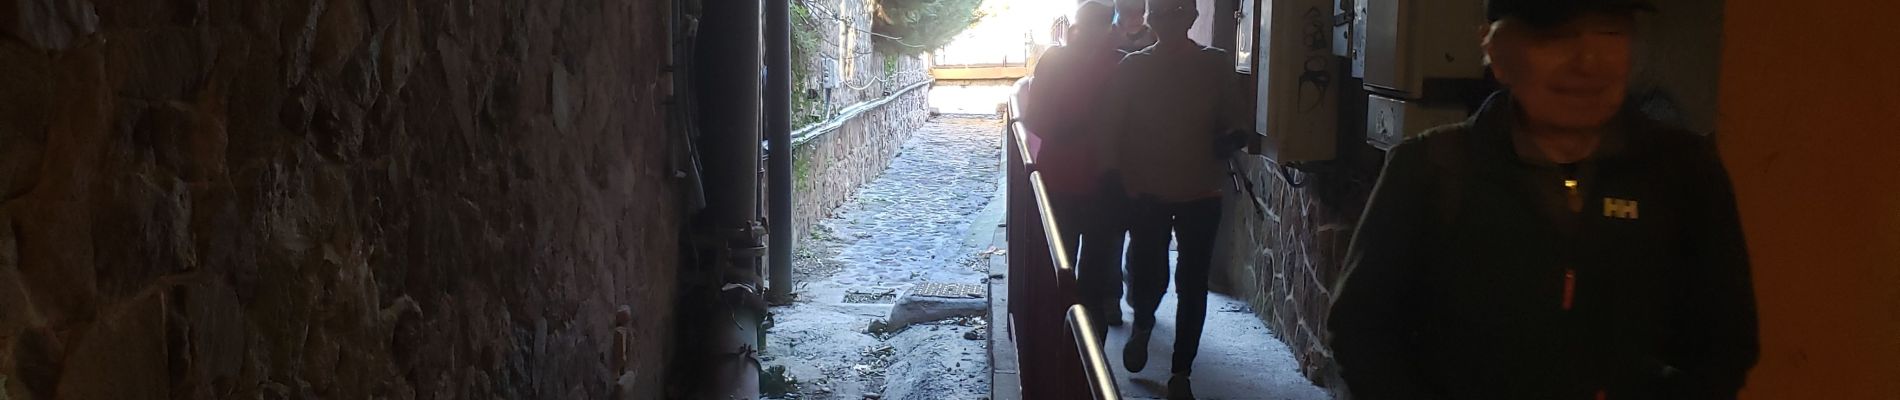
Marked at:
<point>1553,12</point>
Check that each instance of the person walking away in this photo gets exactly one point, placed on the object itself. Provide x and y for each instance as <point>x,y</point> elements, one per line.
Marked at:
<point>1174,112</point>
<point>1551,247</point>
<point>1067,86</point>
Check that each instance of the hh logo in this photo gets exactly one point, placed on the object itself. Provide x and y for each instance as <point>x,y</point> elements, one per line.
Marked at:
<point>1619,208</point>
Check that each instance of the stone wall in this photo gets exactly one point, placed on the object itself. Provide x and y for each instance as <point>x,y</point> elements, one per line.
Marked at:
<point>833,38</point>
<point>406,199</point>
<point>833,160</point>
<point>1284,257</point>
<point>1282,245</point>
<point>841,142</point>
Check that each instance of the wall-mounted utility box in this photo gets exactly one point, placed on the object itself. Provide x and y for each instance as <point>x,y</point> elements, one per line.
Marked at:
<point>1409,42</point>
<point>1298,97</point>
<point>1390,121</point>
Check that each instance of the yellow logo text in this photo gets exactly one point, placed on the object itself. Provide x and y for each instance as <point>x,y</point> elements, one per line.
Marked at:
<point>1619,208</point>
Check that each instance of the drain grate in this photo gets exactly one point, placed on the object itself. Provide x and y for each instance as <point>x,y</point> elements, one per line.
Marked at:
<point>950,290</point>
<point>884,297</point>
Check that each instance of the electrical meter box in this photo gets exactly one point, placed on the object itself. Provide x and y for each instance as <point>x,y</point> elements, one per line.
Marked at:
<point>1390,121</point>
<point>1410,43</point>
<point>1298,98</point>
<point>830,75</point>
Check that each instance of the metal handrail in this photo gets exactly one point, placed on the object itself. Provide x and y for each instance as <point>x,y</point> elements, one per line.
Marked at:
<point>1019,131</point>
<point>851,112</point>
<point>1064,267</point>
<point>1029,156</point>
<point>1101,378</point>
<point>1094,363</point>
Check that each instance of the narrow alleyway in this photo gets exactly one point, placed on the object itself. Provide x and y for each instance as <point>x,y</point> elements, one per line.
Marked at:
<point>909,227</point>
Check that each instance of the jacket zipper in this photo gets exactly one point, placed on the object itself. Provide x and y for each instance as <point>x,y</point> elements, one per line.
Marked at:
<point>1573,195</point>
<point>1574,200</point>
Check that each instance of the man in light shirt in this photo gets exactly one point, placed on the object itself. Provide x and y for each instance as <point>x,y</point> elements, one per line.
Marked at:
<point>1172,117</point>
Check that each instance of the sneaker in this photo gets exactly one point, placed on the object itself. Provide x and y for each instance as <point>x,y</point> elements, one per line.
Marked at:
<point>1135,353</point>
<point>1180,388</point>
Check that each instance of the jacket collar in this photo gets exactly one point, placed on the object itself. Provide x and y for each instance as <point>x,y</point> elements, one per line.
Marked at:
<point>1496,120</point>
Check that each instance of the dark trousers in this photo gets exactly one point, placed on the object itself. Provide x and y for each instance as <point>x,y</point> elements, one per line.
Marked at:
<point>1195,223</point>
<point>1094,228</point>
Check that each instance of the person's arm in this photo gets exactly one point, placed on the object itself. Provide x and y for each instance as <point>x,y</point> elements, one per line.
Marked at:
<point>1718,340</point>
<point>1372,320</point>
<point>1233,120</point>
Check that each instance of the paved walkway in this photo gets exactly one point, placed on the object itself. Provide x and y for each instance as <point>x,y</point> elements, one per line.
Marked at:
<point>1239,360</point>
<point>911,225</point>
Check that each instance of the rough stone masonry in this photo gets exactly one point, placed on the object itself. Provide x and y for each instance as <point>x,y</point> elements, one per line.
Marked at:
<point>405,199</point>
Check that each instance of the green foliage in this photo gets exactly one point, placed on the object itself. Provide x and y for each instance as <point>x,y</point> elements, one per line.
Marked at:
<point>801,174</point>
<point>890,66</point>
<point>805,42</point>
<point>804,37</point>
<point>922,25</point>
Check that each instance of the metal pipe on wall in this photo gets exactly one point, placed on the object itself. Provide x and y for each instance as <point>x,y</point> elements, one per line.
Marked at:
<point>778,129</point>
<point>727,79</point>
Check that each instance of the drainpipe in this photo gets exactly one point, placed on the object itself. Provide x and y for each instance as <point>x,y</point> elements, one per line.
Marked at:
<point>727,77</point>
<point>778,130</point>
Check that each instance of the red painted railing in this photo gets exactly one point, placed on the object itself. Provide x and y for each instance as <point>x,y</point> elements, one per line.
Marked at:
<point>1059,355</point>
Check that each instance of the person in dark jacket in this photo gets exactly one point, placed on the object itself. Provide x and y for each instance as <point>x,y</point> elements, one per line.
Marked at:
<point>1555,245</point>
<point>1173,115</point>
<point>1066,89</point>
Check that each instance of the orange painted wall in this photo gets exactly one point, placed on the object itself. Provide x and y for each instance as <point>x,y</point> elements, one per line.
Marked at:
<point>1810,129</point>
